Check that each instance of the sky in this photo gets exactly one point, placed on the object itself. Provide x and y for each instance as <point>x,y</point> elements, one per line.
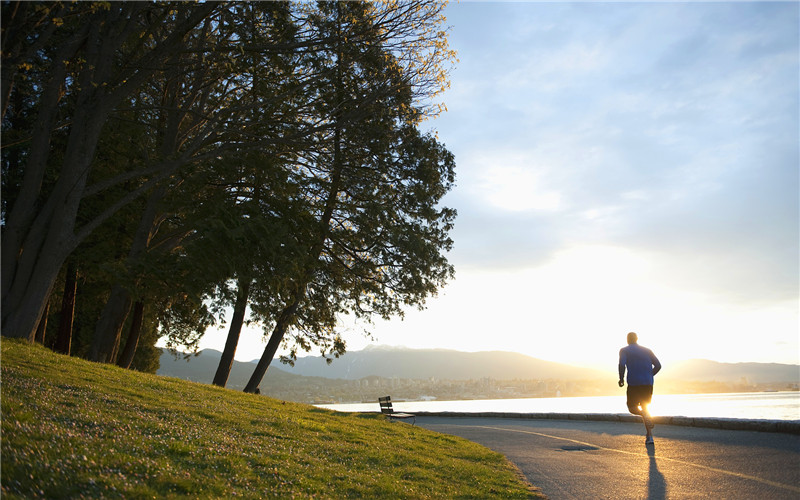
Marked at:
<point>620,167</point>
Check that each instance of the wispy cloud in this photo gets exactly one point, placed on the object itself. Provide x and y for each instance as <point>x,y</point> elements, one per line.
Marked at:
<point>669,127</point>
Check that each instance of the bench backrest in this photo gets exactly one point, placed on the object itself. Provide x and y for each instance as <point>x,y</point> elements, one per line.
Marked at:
<point>386,404</point>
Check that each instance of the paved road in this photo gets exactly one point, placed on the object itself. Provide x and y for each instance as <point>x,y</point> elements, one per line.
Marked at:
<point>579,460</point>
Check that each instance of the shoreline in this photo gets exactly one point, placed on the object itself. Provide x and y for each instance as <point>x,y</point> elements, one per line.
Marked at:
<point>782,406</point>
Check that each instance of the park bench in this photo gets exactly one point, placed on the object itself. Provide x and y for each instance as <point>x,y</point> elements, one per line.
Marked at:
<point>386,409</point>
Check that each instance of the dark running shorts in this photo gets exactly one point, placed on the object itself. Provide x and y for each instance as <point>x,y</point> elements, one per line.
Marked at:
<point>639,395</point>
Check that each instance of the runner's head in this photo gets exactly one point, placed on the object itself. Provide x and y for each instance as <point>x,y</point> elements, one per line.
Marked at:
<point>632,338</point>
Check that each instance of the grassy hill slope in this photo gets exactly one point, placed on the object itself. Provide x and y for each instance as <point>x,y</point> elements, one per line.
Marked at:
<point>72,428</point>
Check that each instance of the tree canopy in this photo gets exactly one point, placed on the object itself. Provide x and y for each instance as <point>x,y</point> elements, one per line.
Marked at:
<point>187,158</point>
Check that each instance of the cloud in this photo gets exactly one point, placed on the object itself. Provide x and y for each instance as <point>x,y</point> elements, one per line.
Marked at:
<point>509,183</point>
<point>487,239</point>
<point>669,128</point>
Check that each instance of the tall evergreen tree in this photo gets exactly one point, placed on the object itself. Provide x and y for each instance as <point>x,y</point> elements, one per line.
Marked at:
<point>87,58</point>
<point>372,181</point>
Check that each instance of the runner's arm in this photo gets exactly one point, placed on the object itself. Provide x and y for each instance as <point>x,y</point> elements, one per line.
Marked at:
<point>656,363</point>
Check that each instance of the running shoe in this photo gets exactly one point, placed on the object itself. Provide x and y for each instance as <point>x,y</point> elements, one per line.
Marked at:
<point>649,440</point>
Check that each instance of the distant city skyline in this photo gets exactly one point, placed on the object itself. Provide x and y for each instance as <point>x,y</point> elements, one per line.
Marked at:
<point>620,167</point>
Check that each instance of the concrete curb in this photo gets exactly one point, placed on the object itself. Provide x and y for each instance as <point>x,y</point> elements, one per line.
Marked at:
<point>733,424</point>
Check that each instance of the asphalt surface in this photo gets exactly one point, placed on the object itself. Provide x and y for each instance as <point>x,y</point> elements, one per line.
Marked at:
<point>569,459</point>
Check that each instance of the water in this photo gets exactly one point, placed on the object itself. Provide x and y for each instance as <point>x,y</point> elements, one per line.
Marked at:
<point>751,405</point>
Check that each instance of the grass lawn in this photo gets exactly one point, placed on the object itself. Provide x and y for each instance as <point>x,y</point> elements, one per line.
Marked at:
<point>72,429</point>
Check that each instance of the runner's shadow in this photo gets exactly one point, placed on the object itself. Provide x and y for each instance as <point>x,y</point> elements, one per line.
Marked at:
<point>656,484</point>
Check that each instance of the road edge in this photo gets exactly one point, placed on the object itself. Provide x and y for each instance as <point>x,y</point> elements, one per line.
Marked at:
<point>733,424</point>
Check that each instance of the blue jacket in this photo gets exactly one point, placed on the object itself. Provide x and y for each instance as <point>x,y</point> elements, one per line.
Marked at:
<point>642,364</point>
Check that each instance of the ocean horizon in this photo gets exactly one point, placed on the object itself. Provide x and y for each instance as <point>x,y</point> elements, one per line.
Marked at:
<point>784,405</point>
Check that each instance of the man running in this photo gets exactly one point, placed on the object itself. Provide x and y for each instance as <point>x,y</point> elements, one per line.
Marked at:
<point>642,365</point>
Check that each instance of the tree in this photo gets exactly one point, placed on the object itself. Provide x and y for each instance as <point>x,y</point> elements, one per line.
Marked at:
<point>261,222</point>
<point>86,59</point>
<point>132,342</point>
<point>372,181</point>
<point>251,82</point>
<point>228,353</point>
<point>178,107</point>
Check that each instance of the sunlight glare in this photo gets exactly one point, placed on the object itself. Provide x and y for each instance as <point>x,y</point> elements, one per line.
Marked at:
<point>518,188</point>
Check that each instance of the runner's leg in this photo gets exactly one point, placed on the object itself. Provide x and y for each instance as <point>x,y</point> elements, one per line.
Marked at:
<point>639,397</point>
<point>633,400</point>
<point>647,396</point>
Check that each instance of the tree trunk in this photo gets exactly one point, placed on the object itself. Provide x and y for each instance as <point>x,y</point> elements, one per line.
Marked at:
<point>226,361</point>
<point>22,214</point>
<point>50,238</point>
<point>41,330</point>
<point>272,346</point>
<point>109,329</point>
<point>64,337</point>
<point>126,358</point>
<point>23,307</point>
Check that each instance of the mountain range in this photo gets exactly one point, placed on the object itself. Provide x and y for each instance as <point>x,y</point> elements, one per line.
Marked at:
<point>399,362</point>
<point>405,363</point>
<point>202,367</point>
<point>756,373</point>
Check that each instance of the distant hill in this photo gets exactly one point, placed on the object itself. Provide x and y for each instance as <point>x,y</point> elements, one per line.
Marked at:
<point>380,361</point>
<point>755,373</point>
<point>438,363</point>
